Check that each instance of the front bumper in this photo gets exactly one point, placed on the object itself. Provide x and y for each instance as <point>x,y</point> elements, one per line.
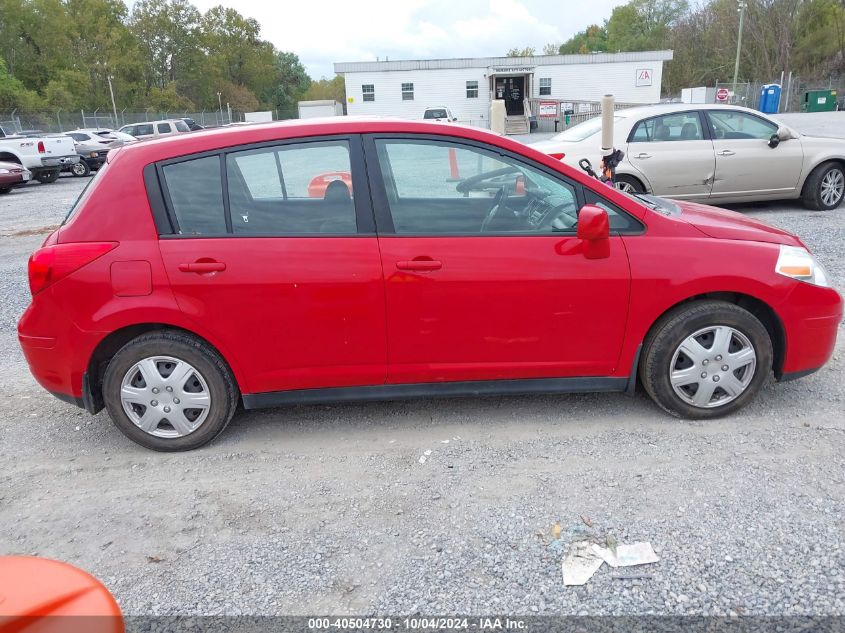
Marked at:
<point>811,317</point>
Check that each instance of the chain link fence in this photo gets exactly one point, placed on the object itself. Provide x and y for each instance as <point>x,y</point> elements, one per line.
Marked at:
<point>58,121</point>
<point>748,94</point>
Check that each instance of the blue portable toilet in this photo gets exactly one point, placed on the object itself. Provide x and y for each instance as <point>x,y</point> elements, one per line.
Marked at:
<point>770,99</point>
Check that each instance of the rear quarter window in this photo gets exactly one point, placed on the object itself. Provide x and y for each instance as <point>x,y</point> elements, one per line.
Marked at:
<point>195,188</point>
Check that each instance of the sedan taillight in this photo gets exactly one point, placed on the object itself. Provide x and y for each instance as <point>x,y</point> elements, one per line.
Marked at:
<point>49,264</point>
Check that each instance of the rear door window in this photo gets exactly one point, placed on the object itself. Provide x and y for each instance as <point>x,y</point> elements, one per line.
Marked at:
<point>679,126</point>
<point>195,188</point>
<point>145,129</point>
<point>164,128</point>
<point>293,188</point>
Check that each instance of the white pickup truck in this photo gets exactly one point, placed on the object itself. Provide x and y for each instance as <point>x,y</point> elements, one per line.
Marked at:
<point>43,155</point>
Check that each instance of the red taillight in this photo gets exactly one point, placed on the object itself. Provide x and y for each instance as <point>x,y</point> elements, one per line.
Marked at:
<point>558,156</point>
<point>49,264</point>
<point>41,149</point>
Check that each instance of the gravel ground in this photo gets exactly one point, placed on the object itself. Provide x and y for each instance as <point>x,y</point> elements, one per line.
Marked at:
<point>327,508</point>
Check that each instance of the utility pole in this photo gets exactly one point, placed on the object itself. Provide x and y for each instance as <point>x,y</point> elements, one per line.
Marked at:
<point>113,105</point>
<point>739,43</point>
<point>220,102</point>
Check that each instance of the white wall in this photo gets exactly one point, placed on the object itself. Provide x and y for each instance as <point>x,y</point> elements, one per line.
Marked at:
<point>447,87</point>
<point>589,82</point>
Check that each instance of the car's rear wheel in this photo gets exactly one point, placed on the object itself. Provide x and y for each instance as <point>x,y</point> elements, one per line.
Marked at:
<point>825,187</point>
<point>706,359</point>
<point>628,184</point>
<point>169,391</point>
<point>4,190</point>
<point>46,177</point>
<point>80,169</point>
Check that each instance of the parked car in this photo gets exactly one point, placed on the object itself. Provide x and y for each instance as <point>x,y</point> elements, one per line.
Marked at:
<point>523,276</point>
<point>439,113</point>
<point>92,146</point>
<point>13,175</point>
<point>712,153</point>
<point>120,136</point>
<point>192,125</point>
<point>43,156</point>
<point>155,129</point>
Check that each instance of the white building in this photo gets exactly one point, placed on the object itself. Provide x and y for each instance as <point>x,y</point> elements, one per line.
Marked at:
<point>406,88</point>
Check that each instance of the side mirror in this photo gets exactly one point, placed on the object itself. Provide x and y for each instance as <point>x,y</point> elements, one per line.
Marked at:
<point>784,133</point>
<point>454,118</point>
<point>593,223</point>
<point>594,230</point>
<point>774,141</point>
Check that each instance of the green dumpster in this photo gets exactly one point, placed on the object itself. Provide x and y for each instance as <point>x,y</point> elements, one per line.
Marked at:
<point>819,101</point>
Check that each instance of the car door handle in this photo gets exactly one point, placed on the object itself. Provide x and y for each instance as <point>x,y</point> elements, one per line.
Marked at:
<point>202,267</point>
<point>643,155</point>
<point>419,265</point>
<point>726,152</point>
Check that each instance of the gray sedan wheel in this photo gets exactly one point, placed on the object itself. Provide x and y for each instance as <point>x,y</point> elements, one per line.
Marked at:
<point>825,187</point>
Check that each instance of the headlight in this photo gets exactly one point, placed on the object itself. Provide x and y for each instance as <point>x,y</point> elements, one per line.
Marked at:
<point>797,263</point>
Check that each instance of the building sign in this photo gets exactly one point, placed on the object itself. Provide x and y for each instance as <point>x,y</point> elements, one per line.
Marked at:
<point>547,109</point>
<point>644,76</point>
<point>511,69</point>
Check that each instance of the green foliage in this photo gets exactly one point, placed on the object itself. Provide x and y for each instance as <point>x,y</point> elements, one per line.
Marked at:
<point>334,88</point>
<point>528,51</point>
<point>593,39</point>
<point>161,55</point>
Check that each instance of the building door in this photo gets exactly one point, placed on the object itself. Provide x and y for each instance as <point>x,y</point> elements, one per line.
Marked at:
<point>512,90</point>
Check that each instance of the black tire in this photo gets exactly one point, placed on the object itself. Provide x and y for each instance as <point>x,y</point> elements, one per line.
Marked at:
<point>4,190</point>
<point>629,181</point>
<point>221,387</point>
<point>80,169</point>
<point>813,187</point>
<point>46,177</point>
<point>672,329</point>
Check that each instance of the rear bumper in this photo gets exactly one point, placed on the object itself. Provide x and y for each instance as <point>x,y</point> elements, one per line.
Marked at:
<point>59,161</point>
<point>811,317</point>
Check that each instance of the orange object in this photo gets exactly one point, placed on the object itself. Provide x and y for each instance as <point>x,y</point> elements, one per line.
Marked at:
<point>38,595</point>
<point>454,174</point>
<point>319,183</point>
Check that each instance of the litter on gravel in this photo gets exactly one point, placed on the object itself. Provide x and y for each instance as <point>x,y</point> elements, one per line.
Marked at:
<point>584,559</point>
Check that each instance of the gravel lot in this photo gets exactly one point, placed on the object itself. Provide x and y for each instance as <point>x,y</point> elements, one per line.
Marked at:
<point>327,508</point>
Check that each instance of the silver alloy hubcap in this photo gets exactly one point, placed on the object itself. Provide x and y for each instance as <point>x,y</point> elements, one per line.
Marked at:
<point>627,187</point>
<point>833,185</point>
<point>78,168</point>
<point>712,366</point>
<point>165,397</point>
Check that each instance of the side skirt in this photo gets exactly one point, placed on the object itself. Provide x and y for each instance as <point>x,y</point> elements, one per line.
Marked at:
<point>434,390</point>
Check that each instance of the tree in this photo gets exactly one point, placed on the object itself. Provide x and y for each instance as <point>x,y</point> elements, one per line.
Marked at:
<point>13,94</point>
<point>643,25</point>
<point>551,48</point>
<point>528,51</point>
<point>334,88</point>
<point>292,80</point>
<point>593,39</point>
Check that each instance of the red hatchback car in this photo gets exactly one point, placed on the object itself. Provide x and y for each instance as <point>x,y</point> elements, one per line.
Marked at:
<point>199,271</point>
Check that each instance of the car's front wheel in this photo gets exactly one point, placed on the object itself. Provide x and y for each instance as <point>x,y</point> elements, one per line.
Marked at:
<point>825,187</point>
<point>705,359</point>
<point>169,391</point>
<point>80,169</point>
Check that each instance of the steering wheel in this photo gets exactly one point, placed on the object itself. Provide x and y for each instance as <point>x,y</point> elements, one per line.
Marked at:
<point>491,214</point>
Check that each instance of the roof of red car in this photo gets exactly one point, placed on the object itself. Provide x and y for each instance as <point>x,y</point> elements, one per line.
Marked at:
<point>218,138</point>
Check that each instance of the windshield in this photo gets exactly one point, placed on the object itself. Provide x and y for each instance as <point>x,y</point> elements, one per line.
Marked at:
<point>582,130</point>
<point>435,114</point>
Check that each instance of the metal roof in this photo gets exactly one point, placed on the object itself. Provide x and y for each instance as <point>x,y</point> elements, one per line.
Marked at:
<point>485,62</point>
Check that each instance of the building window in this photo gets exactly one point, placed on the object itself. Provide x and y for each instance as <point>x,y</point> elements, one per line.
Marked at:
<point>369,91</point>
<point>472,90</point>
<point>545,86</point>
<point>407,92</point>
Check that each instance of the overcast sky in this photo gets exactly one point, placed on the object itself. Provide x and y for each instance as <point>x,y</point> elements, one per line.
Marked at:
<point>325,31</point>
